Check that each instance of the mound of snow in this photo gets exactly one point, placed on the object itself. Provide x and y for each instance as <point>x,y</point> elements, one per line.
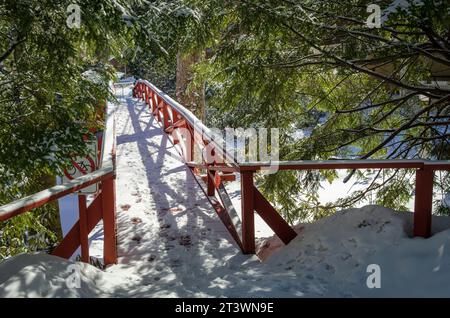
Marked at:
<point>42,275</point>
<point>330,257</point>
<point>337,251</point>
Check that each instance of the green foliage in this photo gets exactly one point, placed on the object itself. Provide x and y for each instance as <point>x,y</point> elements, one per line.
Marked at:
<point>48,96</point>
<point>162,30</point>
<point>354,92</point>
<point>33,231</point>
<point>52,81</point>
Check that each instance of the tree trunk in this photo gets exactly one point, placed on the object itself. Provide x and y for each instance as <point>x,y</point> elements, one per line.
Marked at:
<point>192,97</point>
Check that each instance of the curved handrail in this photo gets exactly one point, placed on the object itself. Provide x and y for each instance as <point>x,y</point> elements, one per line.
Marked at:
<point>196,123</point>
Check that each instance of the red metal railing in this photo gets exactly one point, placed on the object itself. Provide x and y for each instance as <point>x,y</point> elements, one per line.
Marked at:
<point>174,117</point>
<point>102,206</point>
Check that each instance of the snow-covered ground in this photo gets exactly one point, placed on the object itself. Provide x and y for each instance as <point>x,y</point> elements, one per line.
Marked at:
<point>329,258</point>
<point>171,243</point>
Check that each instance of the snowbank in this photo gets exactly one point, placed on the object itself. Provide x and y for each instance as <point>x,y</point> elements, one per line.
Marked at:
<point>329,258</point>
<point>42,275</point>
<point>337,250</point>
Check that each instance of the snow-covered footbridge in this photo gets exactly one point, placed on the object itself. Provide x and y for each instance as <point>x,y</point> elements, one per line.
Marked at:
<point>176,224</point>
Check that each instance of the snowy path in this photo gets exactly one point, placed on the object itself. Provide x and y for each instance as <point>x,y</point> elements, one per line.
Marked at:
<point>170,240</point>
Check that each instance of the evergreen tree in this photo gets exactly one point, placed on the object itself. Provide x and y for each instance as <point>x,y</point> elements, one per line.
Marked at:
<point>353,90</point>
<point>53,79</point>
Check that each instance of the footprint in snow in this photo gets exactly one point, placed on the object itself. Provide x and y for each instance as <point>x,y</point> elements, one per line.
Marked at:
<point>364,223</point>
<point>125,207</point>
<point>136,220</point>
<point>353,242</point>
<point>176,263</point>
<point>345,256</point>
<point>137,239</point>
<point>329,268</point>
<point>185,240</point>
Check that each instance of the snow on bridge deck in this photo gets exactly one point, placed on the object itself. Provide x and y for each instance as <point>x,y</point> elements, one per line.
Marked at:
<point>168,234</point>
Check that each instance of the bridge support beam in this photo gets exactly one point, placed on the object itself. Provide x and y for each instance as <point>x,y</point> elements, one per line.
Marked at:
<point>248,212</point>
<point>210,182</point>
<point>273,219</point>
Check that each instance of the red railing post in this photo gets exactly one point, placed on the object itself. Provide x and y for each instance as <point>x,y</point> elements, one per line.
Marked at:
<point>423,204</point>
<point>153,101</point>
<point>174,116</point>
<point>146,95</point>
<point>189,142</point>
<point>109,221</point>
<point>248,212</point>
<point>166,122</point>
<point>84,232</point>
<point>211,186</point>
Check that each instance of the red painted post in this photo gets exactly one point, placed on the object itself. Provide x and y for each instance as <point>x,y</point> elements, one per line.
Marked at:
<point>159,106</point>
<point>151,101</point>
<point>423,204</point>
<point>174,116</point>
<point>189,142</point>
<point>211,186</point>
<point>165,110</point>
<point>155,105</point>
<point>109,221</point>
<point>248,212</point>
<point>84,233</point>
